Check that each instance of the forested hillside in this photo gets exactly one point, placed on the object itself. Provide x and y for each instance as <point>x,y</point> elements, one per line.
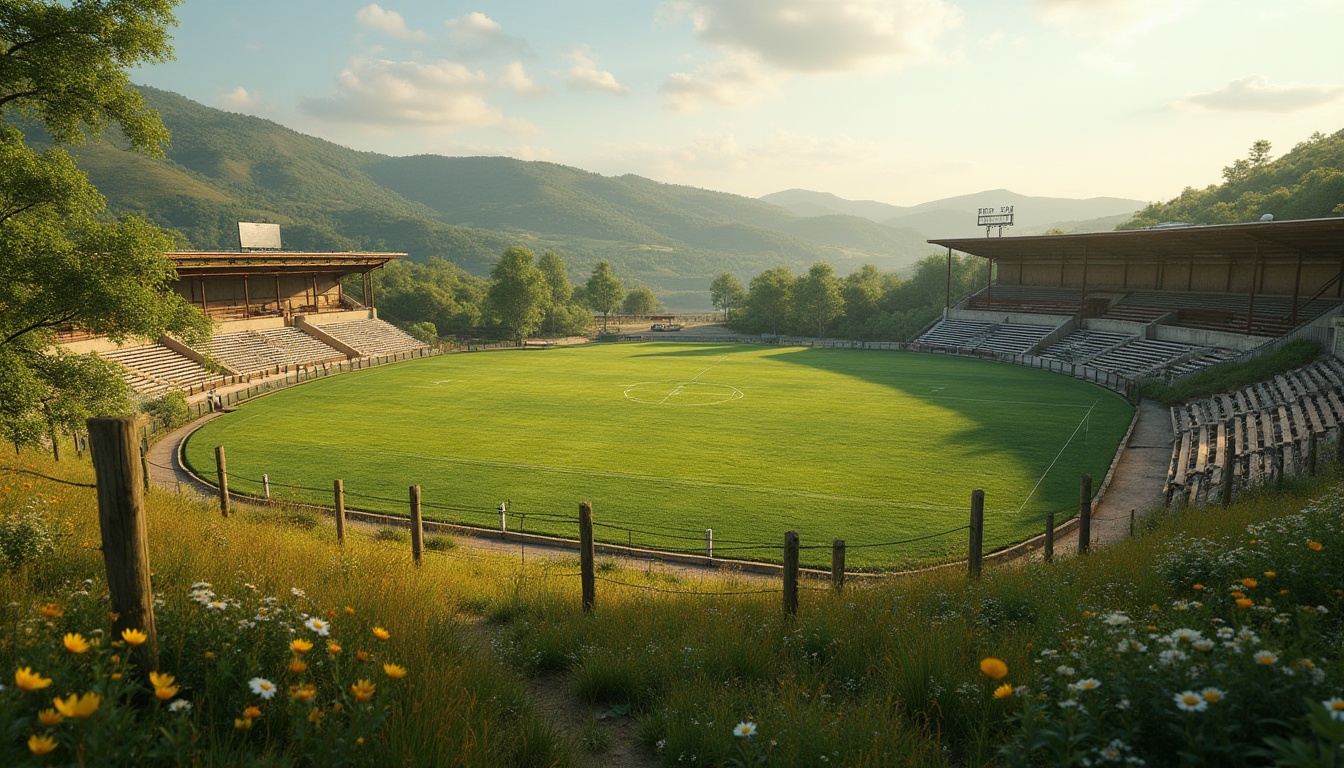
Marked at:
<point>1306,183</point>
<point>223,167</point>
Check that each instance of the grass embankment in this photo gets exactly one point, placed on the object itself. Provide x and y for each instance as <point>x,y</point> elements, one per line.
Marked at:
<point>1232,376</point>
<point>668,440</point>
<point>1099,649</point>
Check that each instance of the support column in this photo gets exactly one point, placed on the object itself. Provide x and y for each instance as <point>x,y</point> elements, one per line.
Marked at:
<point>948,305</point>
<point>278,307</point>
<point>1083,299</point>
<point>247,300</point>
<point>1255,284</point>
<point>205,308</point>
<point>1297,288</point>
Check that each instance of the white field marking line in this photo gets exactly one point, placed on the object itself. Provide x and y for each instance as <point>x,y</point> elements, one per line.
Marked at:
<point>677,391</point>
<point>786,492</point>
<point>1061,453</point>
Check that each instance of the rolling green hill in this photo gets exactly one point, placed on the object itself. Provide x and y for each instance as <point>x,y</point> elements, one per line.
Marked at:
<point>1306,183</point>
<point>222,168</point>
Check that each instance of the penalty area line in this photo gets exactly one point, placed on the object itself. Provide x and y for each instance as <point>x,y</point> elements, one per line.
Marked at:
<point>1081,423</point>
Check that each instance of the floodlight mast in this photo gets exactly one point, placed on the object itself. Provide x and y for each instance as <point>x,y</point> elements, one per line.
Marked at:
<point>991,218</point>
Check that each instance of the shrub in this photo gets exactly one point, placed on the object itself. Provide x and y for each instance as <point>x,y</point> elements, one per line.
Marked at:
<point>388,533</point>
<point>439,543</point>
<point>169,409</point>
<point>25,535</point>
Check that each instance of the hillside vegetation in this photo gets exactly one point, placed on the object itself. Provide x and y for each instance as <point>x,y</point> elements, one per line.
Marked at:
<point>223,167</point>
<point>1201,640</point>
<point>1305,183</point>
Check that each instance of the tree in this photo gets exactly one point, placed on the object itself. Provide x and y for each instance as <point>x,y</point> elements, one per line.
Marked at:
<point>603,291</point>
<point>770,299</point>
<point>727,294</point>
<point>64,265</point>
<point>518,294</point>
<point>640,301</point>
<point>818,300</point>
<point>561,290</point>
<point>862,291</point>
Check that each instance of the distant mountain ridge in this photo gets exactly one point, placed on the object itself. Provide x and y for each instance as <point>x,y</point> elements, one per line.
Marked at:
<point>955,216</point>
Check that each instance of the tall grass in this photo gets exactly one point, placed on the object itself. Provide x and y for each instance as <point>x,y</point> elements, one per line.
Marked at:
<point>1230,376</point>
<point>883,673</point>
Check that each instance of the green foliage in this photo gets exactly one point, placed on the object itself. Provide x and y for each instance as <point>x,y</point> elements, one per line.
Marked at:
<point>25,534</point>
<point>640,301</point>
<point>436,292</point>
<point>425,332</point>
<point>169,409</point>
<point>727,294</point>
<point>518,294</point>
<point>770,301</point>
<point>818,300</point>
<point>66,264</point>
<point>1306,183</point>
<point>603,291</point>
<point>1230,376</point>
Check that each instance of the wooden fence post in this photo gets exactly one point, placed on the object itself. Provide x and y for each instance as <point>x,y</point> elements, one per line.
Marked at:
<point>1050,537</point>
<point>339,488</point>
<point>1225,486</point>
<point>977,545</point>
<point>417,526</point>
<point>838,564</point>
<point>1085,514</point>
<point>1131,522</point>
<point>709,542</point>
<point>1278,468</point>
<point>121,518</point>
<point>266,485</point>
<point>144,461</point>
<point>223,472</point>
<point>791,573</point>
<point>1311,454</point>
<point>586,564</point>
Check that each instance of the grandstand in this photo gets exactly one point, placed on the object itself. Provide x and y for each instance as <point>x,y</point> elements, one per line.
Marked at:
<point>1154,303</point>
<point>1164,303</point>
<point>273,311</point>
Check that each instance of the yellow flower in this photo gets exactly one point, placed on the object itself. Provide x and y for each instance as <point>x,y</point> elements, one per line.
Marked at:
<point>363,690</point>
<point>163,685</point>
<point>52,611</point>
<point>29,680</point>
<point>115,675</point>
<point>41,745</point>
<point>394,671</point>
<point>362,656</point>
<point>380,633</point>
<point>252,711</point>
<point>1283,591</point>
<point>50,717</point>
<point>210,655</point>
<point>993,668</point>
<point>1199,587</point>
<point>304,693</point>
<point>1314,546</point>
<point>78,706</point>
<point>1003,691</point>
<point>1238,594</point>
<point>164,694</point>
<point>1245,602</point>
<point>75,643</point>
<point>333,648</point>
<point>1270,574</point>
<point>133,636</point>
<point>301,646</point>
<point>315,716</point>
<point>1250,583</point>
<point>350,610</point>
<point>296,665</point>
<point>243,723</point>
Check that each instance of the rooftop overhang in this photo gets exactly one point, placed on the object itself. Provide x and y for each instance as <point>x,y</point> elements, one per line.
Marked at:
<point>205,264</point>
<point>1308,239</point>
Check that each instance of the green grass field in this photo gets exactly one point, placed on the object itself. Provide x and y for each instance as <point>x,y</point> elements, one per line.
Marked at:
<point>668,439</point>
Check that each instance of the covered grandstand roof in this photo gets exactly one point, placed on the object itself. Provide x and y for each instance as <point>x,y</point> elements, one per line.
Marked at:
<point>1266,239</point>
<point>272,262</point>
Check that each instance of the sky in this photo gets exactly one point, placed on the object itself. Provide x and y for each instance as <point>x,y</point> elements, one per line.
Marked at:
<point>902,101</point>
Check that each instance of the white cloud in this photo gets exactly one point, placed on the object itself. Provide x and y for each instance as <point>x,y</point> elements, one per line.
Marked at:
<point>385,94</point>
<point>736,81</point>
<point>822,35</point>
<point>389,23</point>
<point>516,79</point>
<point>1116,19</point>
<point>237,100</point>
<point>476,34</point>
<point>585,76</point>
<point>1257,94</point>
<point>1099,59</point>
<point>717,153</point>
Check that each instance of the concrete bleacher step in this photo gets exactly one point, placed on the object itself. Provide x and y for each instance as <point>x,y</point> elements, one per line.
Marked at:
<point>373,337</point>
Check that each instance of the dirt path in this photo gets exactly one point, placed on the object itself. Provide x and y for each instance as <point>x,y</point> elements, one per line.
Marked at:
<point>1138,481</point>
